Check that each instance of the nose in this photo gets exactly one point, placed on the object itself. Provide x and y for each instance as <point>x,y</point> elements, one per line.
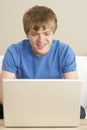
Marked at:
<point>41,38</point>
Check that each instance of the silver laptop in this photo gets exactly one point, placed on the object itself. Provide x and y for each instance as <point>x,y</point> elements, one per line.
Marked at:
<point>41,103</point>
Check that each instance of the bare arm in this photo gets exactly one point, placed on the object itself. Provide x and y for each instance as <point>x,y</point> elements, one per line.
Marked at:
<point>71,75</point>
<point>5,75</point>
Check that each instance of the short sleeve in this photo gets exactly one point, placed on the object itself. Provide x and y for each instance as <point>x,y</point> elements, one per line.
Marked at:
<point>68,60</point>
<point>10,60</point>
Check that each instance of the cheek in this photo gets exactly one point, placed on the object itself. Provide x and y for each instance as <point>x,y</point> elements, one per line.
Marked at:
<point>49,40</point>
<point>32,40</point>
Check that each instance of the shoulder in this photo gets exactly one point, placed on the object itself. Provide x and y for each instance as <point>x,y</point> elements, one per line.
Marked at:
<point>19,46</point>
<point>64,51</point>
<point>62,47</point>
<point>16,50</point>
<point>59,44</point>
<point>66,56</point>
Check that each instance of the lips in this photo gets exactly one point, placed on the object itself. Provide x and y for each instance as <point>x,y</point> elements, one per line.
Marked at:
<point>41,46</point>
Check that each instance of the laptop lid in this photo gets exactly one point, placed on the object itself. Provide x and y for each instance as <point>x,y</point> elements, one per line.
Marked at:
<point>41,103</point>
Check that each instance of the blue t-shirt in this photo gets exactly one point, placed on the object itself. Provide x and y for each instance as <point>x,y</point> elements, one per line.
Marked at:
<point>21,60</point>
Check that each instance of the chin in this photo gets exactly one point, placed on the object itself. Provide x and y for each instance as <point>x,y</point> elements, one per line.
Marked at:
<point>42,53</point>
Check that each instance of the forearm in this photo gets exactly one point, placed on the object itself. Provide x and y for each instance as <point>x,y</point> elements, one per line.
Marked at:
<point>5,75</point>
<point>71,75</point>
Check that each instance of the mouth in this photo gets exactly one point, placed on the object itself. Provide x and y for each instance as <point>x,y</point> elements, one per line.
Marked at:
<point>40,46</point>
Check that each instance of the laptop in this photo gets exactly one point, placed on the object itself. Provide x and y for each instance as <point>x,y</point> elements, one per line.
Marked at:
<point>41,102</point>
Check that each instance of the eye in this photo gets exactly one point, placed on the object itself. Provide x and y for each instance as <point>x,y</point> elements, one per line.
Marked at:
<point>33,34</point>
<point>47,34</point>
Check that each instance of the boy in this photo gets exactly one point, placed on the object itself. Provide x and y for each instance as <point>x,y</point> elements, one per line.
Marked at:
<point>39,56</point>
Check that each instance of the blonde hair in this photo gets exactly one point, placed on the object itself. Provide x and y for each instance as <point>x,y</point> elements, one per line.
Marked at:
<point>39,16</point>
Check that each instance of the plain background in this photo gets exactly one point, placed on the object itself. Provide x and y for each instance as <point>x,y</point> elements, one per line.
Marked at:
<point>72,22</point>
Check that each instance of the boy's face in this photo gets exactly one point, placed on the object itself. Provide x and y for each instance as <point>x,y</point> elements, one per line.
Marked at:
<point>40,40</point>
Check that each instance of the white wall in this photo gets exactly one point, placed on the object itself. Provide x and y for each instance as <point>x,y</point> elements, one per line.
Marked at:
<point>72,22</point>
